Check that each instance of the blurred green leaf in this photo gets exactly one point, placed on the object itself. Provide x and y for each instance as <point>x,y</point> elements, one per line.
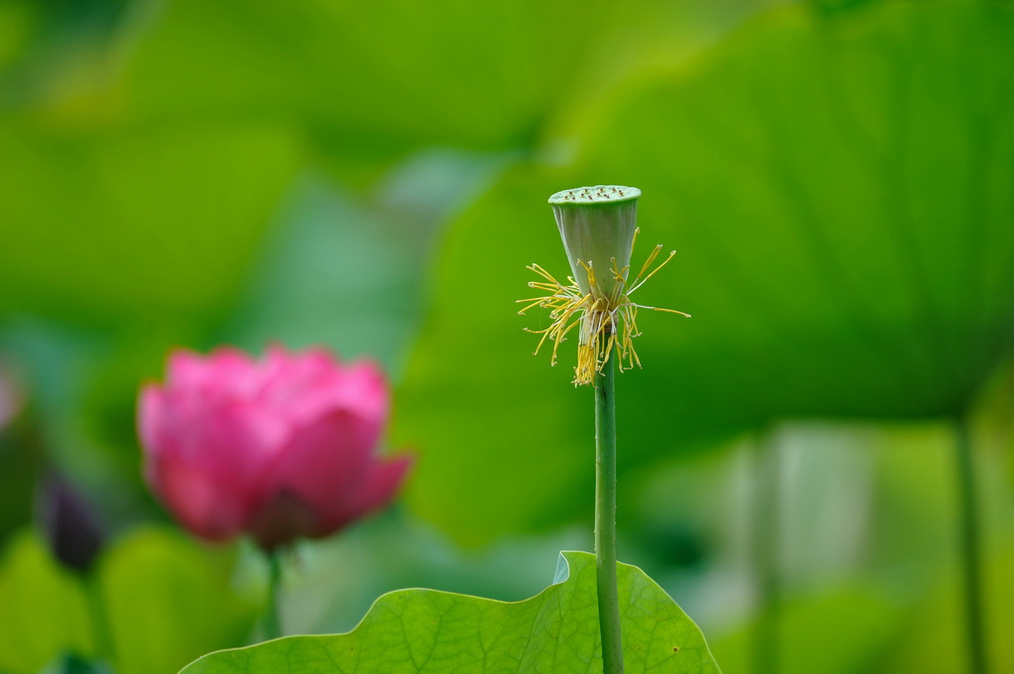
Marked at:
<point>934,638</point>
<point>43,610</point>
<point>839,193</point>
<point>431,631</point>
<point>74,664</point>
<point>344,272</point>
<point>103,223</point>
<point>377,82</point>
<point>168,601</point>
<point>841,630</point>
<point>20,465</point>
<point>18,20</point>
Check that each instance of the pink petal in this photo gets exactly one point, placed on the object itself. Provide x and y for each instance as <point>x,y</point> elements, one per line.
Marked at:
<point>360,389</point>
<point>186,369</point>
<point>226,372</point>
<point>378,488</point>
<point>205,460</point>
<point>313,360</point>
<point>311,384</point>
<point>151,419</point>
<point>236,439</point>
<point>322,462</point>
<point>365,390</point>
<point>289,378</point>
<point>200,500</point>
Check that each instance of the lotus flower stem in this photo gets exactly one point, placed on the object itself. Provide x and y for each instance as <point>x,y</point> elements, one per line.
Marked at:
<point>605,518</point>
<point>272,622</point>
<point>98,613</point>
<point>970,546</point>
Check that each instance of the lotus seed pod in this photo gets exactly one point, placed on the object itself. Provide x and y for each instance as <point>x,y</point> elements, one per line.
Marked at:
<point>597,225</point>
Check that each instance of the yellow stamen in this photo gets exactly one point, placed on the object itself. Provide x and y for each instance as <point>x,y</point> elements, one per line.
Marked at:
<point>606,323</point>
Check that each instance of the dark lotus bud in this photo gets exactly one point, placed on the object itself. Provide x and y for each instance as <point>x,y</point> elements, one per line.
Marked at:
<point>10,397</point>
<point>69,524</point>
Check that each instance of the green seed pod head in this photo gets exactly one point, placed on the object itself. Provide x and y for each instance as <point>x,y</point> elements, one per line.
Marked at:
<point>597,226</point>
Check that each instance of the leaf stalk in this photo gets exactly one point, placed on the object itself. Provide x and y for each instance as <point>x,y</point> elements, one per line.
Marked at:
<point>970,548</point>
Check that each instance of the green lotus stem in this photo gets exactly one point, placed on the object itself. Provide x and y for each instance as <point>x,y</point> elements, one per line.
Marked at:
<point>272,622</point>
<point>970,546</point>
<point>605,518</point>
<point>99,615</point>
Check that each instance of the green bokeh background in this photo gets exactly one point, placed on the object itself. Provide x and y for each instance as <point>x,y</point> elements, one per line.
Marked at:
<point>835,175</point>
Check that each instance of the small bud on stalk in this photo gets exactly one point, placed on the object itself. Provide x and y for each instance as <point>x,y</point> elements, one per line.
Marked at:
<point>70,524</point>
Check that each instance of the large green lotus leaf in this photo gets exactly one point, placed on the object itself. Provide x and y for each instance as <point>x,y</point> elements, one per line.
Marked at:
<point>839,192</point>
<point>168,601</point>
<point>374,80</point>
<point>429,631</point>
<point>99,223</point>
<point>43,608</point>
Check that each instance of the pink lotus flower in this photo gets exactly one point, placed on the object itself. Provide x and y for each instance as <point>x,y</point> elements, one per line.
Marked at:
<point>280,448</point>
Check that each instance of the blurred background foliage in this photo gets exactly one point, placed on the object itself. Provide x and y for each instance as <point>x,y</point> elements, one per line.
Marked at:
<point>835,175</point>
